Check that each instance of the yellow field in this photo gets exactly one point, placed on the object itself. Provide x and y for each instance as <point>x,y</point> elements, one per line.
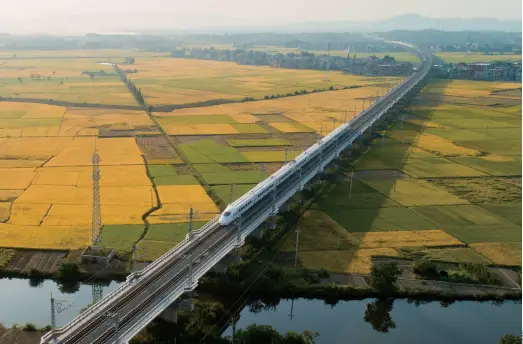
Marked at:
<point>113,151</point>
<point>439,145</point>
<point>44,237</point>
<point>289,128</point>
<point>343,261</point>
<point>5,209</point>
<point>320,112</point>
<point>396,239</point>
<point>62,79</point>
<point>200,129</point>
<point>178,199</point>
<point>19,178</point>
<point>81,215</point>
<point>183,81</point>
<point>500,253</point>
<point>28,214</point>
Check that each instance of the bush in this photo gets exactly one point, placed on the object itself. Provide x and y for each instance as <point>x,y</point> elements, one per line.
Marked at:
<point>426,269</point>
<point>510,339</point>
<point>383,277</point>
<point>29,327</point>
<point>324,273</point>
<point>69,272</point>
<point>481,272</point>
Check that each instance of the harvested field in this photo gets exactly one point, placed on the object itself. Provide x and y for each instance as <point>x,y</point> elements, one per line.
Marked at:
<point>343,261</point>
<point>505,253</point>
<point>450,254</point>
<point>396,239</point>
<point>44,261</point>
<point>481,190</point>
<point>318,232</point>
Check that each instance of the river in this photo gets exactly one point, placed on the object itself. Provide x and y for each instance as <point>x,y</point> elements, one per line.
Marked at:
<point>463,322</point>
<point>20,303</point>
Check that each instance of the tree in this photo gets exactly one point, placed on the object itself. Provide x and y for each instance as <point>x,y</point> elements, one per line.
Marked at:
<point>69,272</point>
<point>19,79</point>
<point>378,315</point>
<point>383,277</point>
<point>258,334</point>
<point>510,339</point>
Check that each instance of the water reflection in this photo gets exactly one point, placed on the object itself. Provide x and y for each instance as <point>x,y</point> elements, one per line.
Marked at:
<point>29,300</point>
<point>378,315</point>
<point>387,321</point>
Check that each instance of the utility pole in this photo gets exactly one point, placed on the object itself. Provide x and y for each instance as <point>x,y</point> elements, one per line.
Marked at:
<point>285,154</point>
<point>291,315</point>
<point>97,291</point>
<point>297,242</point>
<point>133,266</point>
<point>190,223</point>
<point>333,124</point>
<point>96,217</point>
<point>231,197</point>
<point>57,306</point>
<point>53,317</point>
<point>350,187</point>
<point>261,172</point>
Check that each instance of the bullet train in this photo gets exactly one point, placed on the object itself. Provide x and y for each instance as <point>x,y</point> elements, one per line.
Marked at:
<point>242,205</point>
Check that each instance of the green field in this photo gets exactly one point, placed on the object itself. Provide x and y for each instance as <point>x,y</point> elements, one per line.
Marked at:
<point>258,142</point>
<point>456,57</point>
<point>453,183</point>
<point>224,191</point>
<point>160,238</point>
<point>208,151</point>
<point>121,237</point>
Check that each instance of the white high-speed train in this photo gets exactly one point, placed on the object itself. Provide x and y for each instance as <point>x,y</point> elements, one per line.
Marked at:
<point>240,206</point>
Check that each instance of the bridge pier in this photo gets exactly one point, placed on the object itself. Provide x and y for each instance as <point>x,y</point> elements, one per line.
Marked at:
<point>234,257</point>
<point>170,314</point>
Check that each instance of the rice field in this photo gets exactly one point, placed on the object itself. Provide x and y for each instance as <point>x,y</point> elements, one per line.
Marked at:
<point>62,80</point>
<point>454,155</point>
<point>183,81</point>
<point>454,201</point>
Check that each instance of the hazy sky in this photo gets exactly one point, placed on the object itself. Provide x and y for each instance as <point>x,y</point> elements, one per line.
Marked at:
<point>217,12</point>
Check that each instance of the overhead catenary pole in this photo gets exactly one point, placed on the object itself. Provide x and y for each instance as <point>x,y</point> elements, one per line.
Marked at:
<point>350,187</point>
<point>191,214</point>
<point>297,243</point>
<point>53,317</point>
<point>231,194</point>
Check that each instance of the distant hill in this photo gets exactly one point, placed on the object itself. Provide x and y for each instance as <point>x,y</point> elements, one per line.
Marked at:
<point>408,22</point>
<point>168,22</point>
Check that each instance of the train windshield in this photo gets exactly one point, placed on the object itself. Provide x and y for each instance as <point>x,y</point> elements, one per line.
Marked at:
<point>227,213</point>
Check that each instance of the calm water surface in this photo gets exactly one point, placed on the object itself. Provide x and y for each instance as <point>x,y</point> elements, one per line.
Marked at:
<point>364,321</point>
<point>460,323</point>
<point>20,303</point>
